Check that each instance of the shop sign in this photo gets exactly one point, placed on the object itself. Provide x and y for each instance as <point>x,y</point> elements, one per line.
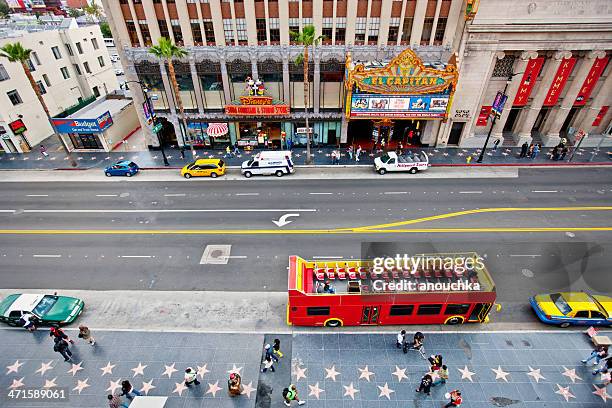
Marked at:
<point>257,110</point>
<point>600,115</point>
<point>18,127</point>
<point>528,81</point>
<point>303,130</point>
<point>395,106</point>
<point>97,125</point>
<point>462,114</point>
<point>498,104</point>
<point>563,73</point>
<point>483,117</point>
<point>256,100</point>
<point>589,83</point>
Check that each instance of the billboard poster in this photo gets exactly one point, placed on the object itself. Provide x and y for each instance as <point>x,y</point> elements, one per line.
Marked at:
<point>528,81</point>
<point>561,77</point>
<point>589,83</point>
<point>498,103</point>
<point>97,125</point>
<point>398,106</point>
<point>483,116</point>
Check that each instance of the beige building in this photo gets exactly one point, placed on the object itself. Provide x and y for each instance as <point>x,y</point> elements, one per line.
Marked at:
<point>72,68</point>
<point>230,40</point>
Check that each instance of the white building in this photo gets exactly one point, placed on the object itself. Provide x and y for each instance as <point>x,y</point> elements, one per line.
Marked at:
<point>72,68</point>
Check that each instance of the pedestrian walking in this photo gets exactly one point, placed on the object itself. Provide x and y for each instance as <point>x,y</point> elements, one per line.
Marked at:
<point>234,384</point>
<point>382,143</point>
<point>236,149</point>
<point>28,322</point>
<point>291,394</point>
<point>555,153</point>
<point>61,346</point>
<point>435,361</point>
<point>85,334</point>
<point>564,151</point>
<point>43,150</point>
<point>524,148</point>
<point>56,331</point>
<point>455,399</point>
<point>401,339</point>
<point>535,151</point>
<point>417,344</point>
<point>358,153</point>
<point>268,364</point>
<point>442,376</point>
<point>276,347</point>
<point>114,401</point>
<point>599,353</point>
<point>350,152</point>
<point>191,377</point>
<point>269,351</point>
<point>425,385</point>
<point>468,159</point>
<point>495,144</point>
<point>128,390</point>
<point>401,148</point>
<point>182,152</point>
<point>605,366</point>
<point>228,152</point>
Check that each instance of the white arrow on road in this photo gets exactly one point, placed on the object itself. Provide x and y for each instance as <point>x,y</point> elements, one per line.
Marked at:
<point>282,221</point>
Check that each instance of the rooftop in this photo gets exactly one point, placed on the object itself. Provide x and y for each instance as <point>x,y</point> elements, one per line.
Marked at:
<point>101,106</point>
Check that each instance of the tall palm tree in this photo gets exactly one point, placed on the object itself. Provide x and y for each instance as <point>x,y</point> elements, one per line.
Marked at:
<point>93,9</point>
<point>306,38</point>
<point>167,50</point>
<point>15,52</point>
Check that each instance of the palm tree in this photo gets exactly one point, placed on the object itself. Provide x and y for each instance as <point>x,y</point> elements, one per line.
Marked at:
<point>306,38</point>
<point>93,9</point>
<point>166,49</point>
<point>15,52</point>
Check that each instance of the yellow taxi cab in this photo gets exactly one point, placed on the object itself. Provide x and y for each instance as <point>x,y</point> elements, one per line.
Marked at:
<point>573,308</point>
<point>204,168</point>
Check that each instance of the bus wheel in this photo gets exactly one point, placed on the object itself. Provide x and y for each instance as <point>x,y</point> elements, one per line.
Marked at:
<point>333,323</point>
<point>454,320</point>
<point>564,325</point>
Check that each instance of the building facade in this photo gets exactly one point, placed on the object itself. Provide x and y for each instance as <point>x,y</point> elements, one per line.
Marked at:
<point>229,41</point>
<point>72,68</point>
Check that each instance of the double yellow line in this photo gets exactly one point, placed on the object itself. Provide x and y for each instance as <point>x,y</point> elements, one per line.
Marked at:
<point>388,228</point>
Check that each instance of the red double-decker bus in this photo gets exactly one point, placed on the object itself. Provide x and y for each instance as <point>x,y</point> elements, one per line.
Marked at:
<point>349,293</point>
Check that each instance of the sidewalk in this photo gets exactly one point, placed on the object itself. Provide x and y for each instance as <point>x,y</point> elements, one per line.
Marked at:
<point>321,156</point>
<point>519,370</point>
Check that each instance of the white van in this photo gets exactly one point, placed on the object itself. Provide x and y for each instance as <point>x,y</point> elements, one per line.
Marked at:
<point>410,162</point>
<point>267,163</point>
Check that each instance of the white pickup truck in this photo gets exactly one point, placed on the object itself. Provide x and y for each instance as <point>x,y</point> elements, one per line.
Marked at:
<point>411,162</point>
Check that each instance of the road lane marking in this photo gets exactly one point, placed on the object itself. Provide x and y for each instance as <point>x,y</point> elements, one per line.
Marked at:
<point>106,195</point>
<point>320,193</point>
<point>47,256</point>
<point>135,256</point>
<point>470,192</point>
<point>154,210</point>
<point>175,195</point>
<point>247,194</point>
<point>37,195</point>
<point>544,191</point>
<point>395,192</point>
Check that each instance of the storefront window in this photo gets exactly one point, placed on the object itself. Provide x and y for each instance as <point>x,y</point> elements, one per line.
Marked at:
<point>185,84</point>
<point>271,73</point>
<point>211,82</point>
<point>150,75</point>
<point>238,71</point>
<point>296,78</point>
<point>196,134</point>
<point>85,141</point>
<point>332,77</point>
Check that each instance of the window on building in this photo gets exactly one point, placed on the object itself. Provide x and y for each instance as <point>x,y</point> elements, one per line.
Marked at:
<point>101,61</point>
<point>79,48</point>
<point>294,25</point>
<point>401,310</point>
<point>209,31</point>
<point>14,97</point>
<point>86,66</point>
<point>41,87</point>
<point>131,29</point>
<point>306,21</point>
<point>46,79</point>
<point>274,30</point>
<point>241,30</point>
<point>176,30</point>
<point>65,72</point>
<point>94,43</point>
<point>427,27</point>
<point>503,67</point>
<point>31,66</point>
<point>440,27</point>
<point>76,68</point>
<point>407,29</point>
<point>340,30</point>
<point>163,28</point>
<point>56,53</point>
<point>394,25</point>
<point>327,29</point>
<point>146,34</point>
<point>69,48</point>
<point>3,74</point>
<point>196,31</point>
<point>374,28</point>
<point>360,29</point>
<point>34,57</point>
<point>228,31</point>
<point>260,24</point>
<point>96,91</point>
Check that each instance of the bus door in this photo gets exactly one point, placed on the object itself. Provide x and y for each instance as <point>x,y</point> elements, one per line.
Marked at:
<point>370,314</point>
<point>480,312</point>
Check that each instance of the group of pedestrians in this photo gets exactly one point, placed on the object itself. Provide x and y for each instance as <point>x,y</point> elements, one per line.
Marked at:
<point>437,373</point>
<point>530,150</point>
<point>601,358</point>
<point>61,341</point>
<point>272,353</point>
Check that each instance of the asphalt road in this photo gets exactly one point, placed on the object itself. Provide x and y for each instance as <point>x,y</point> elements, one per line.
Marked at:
<point>240,214</point>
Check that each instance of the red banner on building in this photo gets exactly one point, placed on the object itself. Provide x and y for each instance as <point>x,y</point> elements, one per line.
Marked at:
<point>589,83</point>
<point>563,73</point>
<point>483,116</point>
<point>600,115</point>
<point>528,81</point>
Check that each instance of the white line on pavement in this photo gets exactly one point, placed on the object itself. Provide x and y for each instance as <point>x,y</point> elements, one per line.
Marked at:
<point>106,195</point>
<point>174,195</point>
<point>247,194</point>
<point>470,192</point>
<point>321,193</point>
<point>37,195</point>
<point>525,255</point>
<point>47,256</point>
<point>395,192</point>
<point>215,210</point>
<point>135,256</point>
<point>544,191</point>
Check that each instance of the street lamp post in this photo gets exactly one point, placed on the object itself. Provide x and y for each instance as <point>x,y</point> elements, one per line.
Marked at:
<point>145,95</point>
<point>484,148</point>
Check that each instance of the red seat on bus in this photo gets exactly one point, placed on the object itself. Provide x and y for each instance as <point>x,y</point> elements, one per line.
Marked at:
<point>438,273</point>
<point>330,272</point>
<point>448,273</point>
<point>363,272</point>
<point>395,274</point>
<point>341,272</point>
<point>427,273</point>
<point>352,273</point>
<point>319,273</point>
<point>417,274</point>
<point>406,273</point>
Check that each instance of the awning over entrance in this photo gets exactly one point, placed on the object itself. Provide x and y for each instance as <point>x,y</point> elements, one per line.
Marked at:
<point>217,129</point>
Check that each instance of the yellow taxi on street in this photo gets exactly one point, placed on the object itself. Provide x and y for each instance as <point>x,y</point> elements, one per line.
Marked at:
<point>204,168</point>
<point>573,308</point>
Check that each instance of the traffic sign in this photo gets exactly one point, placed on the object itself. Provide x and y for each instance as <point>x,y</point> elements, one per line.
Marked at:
<point>156,128</point>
